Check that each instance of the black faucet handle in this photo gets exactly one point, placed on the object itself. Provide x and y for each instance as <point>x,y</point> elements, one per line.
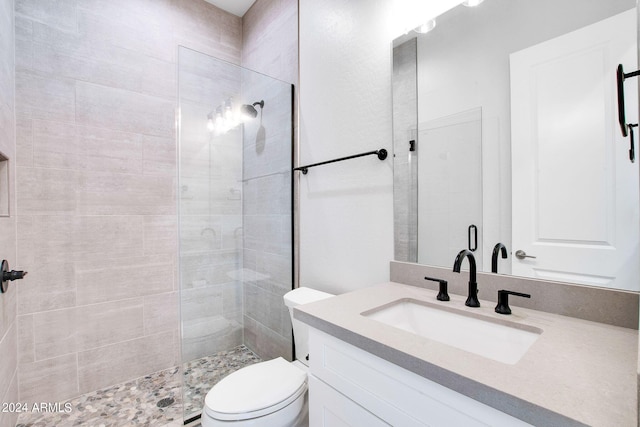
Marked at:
<point>443,294</point>
<point>503,300</point>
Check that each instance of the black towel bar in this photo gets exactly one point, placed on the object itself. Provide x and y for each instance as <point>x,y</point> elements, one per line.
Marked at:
<point>381,153</point>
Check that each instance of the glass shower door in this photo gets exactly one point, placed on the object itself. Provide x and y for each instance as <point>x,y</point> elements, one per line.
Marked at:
<point>235,160</point>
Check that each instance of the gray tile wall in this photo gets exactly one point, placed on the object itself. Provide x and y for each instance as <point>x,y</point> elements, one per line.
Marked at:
<point>8,326</point>
<point>96,167</point>
<point>270,39</point>
<point>267,252</point>
<point>270,46</point>
<point>405,166</point>
<point>210,209</point>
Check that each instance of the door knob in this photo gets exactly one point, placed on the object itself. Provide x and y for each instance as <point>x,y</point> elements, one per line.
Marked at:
<point>520,254</point>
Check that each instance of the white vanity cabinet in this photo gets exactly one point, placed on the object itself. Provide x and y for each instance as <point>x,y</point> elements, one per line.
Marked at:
<point>351,387</point>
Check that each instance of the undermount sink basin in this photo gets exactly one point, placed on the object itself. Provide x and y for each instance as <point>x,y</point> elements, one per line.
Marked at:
<point>499,340</point>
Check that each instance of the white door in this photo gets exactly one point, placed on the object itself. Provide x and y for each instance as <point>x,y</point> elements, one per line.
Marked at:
<point>574,190</point>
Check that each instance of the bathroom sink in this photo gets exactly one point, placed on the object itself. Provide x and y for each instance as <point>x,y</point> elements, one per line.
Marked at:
<point>495,339</point>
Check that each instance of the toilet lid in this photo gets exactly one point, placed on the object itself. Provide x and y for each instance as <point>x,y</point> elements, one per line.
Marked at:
<point>256,388</point>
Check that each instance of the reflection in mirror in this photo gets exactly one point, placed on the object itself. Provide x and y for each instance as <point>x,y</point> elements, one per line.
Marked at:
<point>450,190</point>
<point>553,179</point>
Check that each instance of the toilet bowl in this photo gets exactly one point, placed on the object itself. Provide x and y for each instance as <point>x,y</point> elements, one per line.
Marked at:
<point>271,393</point>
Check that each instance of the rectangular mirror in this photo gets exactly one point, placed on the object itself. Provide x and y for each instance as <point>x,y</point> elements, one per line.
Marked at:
<point>505,118</point>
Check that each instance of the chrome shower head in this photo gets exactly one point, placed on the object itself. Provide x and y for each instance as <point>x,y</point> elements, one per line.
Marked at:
<point>250,110</point>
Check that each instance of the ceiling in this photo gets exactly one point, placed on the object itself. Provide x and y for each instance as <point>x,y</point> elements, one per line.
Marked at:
<point>237,7</point>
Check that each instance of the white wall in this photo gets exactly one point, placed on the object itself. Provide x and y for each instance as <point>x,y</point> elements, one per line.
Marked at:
<point>346,209</point>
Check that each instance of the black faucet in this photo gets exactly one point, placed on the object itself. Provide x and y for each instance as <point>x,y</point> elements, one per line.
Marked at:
<point>494,258</point>
<point>472,299</point>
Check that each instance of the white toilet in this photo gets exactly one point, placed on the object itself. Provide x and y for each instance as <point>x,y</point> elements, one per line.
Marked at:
<point>271,393</point>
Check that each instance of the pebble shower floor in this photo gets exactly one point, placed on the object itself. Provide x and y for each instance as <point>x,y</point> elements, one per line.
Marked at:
<point>135,403</point>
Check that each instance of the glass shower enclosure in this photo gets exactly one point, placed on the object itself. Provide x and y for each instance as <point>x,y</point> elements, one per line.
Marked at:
<point>235,147</point>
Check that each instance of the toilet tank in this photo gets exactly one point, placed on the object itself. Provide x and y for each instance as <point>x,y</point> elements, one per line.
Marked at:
<point>296,297</point>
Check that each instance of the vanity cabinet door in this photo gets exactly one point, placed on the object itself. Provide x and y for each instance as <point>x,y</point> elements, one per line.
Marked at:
<point>391,393</point>
<point>329,408</point>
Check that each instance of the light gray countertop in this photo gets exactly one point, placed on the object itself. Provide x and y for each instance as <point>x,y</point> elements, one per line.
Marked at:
<point>577,372</point>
